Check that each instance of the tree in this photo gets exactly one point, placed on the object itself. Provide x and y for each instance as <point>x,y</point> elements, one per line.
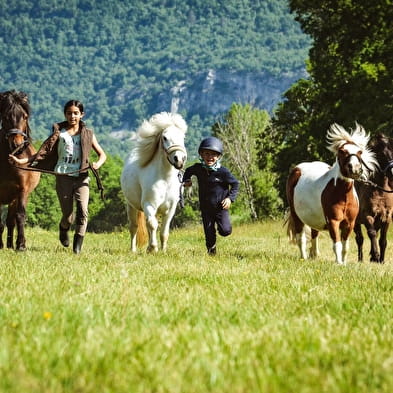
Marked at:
<point>351,76</point>
<point>249,148</point>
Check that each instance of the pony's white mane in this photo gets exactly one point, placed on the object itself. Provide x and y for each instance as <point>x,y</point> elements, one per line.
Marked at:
<point>149,133</point>
<point>337,137</point>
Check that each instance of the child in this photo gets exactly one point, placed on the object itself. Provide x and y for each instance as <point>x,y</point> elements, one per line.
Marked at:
<point>218,188</point>
<point>66,152</point>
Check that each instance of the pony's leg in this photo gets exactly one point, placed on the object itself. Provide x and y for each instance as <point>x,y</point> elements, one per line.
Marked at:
<point>335,235</point>
<point>301,240</point>
<point>314,250</point>
<point>152,226</point>
<point>132,225</point>
<point>11,223</point>
<point>2,226</point>
<point>372,235</point>
<point>383,242</point>
<point>345,250</point>
<point>165,226</point>
<point>359,240</point>
<point>338,251</point>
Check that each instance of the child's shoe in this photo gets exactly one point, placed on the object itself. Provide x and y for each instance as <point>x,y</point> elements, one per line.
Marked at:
<point>212,250</point>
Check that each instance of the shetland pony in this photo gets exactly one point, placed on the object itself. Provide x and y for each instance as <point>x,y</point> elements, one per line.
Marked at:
<point>323,197</point>
<point>15,184</point>
<point>150,178</point>
<point>376,201</point>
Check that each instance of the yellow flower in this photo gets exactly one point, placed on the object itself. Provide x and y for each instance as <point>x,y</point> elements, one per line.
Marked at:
<point>47,315</point>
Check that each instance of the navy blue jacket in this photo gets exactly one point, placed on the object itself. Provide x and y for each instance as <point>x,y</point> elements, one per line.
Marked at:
<point>214,186</point>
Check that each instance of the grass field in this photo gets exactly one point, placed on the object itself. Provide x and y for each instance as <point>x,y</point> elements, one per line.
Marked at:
<point>254,318</point>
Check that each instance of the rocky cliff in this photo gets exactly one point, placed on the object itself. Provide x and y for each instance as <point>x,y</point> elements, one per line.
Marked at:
<point>213,92</point>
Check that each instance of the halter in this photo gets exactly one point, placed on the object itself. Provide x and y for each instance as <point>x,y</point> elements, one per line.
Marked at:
<point>173,148</point>
<point>16,131</point>
<point>388,166</point>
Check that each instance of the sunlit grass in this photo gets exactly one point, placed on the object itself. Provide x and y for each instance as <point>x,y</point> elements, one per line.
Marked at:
<point>254,318</point>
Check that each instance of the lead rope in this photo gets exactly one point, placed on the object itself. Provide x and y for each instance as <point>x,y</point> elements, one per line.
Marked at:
<point>181,194</point>
<point>95,173</point>
<point>371,184</point>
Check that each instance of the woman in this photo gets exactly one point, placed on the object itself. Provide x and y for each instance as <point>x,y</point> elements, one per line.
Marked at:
<point>66,152</point>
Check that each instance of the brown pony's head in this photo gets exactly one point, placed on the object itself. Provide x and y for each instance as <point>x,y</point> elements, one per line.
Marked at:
<point>14,116</point>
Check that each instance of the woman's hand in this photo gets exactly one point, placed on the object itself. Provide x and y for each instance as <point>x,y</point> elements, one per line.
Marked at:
<point>226,203</point>
<point>15,160</point>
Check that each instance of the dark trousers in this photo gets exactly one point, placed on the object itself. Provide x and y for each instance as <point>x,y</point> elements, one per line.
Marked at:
<point>211,217</point>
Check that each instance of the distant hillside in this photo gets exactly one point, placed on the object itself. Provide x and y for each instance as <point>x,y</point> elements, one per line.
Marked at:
<point>128,60</point>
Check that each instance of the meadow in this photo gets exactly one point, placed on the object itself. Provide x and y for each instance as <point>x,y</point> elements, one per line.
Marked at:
<point>253,318</point>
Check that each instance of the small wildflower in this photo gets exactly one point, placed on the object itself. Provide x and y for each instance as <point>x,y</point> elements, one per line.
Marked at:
<point>47,315</point>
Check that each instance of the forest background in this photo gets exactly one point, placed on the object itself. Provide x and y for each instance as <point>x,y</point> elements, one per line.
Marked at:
<point>332,61</point>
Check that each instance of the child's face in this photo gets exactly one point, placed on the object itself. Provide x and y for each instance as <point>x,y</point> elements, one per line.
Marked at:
<point>73,116</point>
<point>210,157</point>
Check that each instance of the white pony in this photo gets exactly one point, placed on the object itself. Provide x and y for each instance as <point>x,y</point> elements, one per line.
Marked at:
<point>150,178</point>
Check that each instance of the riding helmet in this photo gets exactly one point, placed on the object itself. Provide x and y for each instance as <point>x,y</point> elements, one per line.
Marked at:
<point>211,143</point>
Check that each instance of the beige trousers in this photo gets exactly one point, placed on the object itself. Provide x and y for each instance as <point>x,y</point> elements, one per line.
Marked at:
<point>70,188</point>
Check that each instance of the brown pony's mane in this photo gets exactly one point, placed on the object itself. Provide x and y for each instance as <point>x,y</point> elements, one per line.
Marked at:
<point>13,106</point>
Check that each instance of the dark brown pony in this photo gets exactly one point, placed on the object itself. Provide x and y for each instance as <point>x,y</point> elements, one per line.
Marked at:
<point>15,184</point>
<point>376,205</point>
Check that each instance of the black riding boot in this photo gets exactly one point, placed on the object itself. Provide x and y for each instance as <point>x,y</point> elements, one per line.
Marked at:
<point>78,241</point>
<point>63,236</point>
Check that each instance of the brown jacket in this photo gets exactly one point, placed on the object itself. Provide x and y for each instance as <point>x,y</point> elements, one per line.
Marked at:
<point>46,156</point>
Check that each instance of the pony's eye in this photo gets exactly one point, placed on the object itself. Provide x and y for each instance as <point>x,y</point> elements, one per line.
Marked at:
<point>164,138</point>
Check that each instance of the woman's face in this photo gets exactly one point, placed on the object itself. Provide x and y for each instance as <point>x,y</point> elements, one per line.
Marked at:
<point>73,116</point>
<point>210,157</point>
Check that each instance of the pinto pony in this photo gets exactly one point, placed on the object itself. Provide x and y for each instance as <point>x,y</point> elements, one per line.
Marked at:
<point>15,184</point>
<point>376,201</point>
<point>324,198</point>
<point>150,178</point>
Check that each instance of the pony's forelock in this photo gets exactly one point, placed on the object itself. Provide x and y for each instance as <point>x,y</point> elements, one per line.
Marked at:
<point>149,133</point>
<point>337,137</point>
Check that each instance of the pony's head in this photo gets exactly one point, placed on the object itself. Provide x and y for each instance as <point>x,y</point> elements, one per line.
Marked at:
<point>382,146</point>
<point>166,130</point>
<point>354,158</point>
<point>14,116</point>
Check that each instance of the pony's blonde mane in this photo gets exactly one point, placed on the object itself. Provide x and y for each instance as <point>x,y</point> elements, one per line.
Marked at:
<point>149,134</point>
<point>337,137</point>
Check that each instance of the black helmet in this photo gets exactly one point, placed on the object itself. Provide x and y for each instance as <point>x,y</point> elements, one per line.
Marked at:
<point>211,143</point>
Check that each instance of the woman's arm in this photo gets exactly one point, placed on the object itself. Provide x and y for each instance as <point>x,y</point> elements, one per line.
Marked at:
<point>100,152</point>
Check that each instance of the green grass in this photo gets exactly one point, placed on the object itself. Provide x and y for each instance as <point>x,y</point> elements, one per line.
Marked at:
<point>254,318</point>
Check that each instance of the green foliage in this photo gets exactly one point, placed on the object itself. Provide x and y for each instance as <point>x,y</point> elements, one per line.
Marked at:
<point>254,318</point>
<point>120,58</point>
<point>351,76</point>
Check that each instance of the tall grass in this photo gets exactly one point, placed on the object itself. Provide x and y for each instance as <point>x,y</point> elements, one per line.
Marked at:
<point>254,318</point>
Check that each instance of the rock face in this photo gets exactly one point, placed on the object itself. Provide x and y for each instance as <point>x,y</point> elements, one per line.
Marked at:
<point>215,91</point>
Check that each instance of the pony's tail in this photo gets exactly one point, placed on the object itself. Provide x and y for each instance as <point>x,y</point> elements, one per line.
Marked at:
<point>141,234</point>
<point>291,232</point>
<point>290,223</point>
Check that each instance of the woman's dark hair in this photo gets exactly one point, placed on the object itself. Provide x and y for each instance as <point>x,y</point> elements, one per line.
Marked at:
<point>76,103</point>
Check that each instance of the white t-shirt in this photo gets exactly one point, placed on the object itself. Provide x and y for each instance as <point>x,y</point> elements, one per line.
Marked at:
<point>69,153</point>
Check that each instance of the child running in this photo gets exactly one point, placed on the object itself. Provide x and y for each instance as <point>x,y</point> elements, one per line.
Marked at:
<point>218,189</point>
